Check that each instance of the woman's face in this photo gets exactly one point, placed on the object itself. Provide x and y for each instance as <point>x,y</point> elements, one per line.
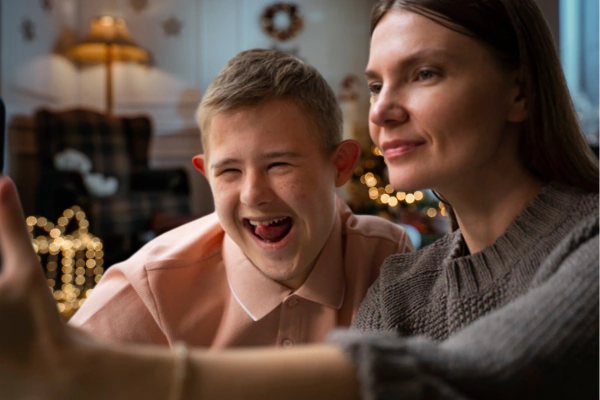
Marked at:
<point>442,109</point>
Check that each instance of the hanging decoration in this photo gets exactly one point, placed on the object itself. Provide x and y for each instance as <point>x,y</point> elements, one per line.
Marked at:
<point>28,29</point>
<point>348,87</point>
<point>46,5</point>
<point>293,27</point>
<point>138,5</point>
<point>172,26</point>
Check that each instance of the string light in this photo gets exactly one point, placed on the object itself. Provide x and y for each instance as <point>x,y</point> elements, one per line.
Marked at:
<point>73,261</point>
<point>387,194</point>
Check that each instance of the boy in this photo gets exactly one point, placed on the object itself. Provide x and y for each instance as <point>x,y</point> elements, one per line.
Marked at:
<point>282,260</point>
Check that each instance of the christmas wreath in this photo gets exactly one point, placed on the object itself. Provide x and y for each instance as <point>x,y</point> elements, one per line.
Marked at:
<point>295,21</point>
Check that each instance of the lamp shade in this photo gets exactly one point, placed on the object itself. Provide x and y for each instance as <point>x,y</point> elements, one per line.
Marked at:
<point>108,31</point>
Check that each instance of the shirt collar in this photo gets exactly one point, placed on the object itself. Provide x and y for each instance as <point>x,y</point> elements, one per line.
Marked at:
<point>258,295</point>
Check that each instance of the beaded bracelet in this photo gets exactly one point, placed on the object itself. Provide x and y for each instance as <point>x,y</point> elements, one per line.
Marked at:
<point>179,370</point>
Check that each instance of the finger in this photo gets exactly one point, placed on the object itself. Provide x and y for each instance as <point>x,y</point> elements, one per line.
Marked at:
<point>15,246</point>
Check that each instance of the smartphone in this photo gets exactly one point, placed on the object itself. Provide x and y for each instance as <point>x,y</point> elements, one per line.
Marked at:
<point>2,130</point>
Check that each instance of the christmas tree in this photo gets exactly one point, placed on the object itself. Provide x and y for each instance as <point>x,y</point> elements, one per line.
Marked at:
<point>369,192</point>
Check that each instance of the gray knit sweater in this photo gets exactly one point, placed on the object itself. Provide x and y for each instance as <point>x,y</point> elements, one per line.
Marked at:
<point>518,320</point>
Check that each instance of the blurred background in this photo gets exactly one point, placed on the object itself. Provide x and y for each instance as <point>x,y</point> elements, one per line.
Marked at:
<point>101,96</point>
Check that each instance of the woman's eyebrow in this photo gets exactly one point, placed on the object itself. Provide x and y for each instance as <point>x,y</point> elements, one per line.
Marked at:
<point>416,58</point>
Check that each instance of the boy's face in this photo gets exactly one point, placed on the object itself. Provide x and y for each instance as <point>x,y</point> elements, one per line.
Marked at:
<point>273,186</point>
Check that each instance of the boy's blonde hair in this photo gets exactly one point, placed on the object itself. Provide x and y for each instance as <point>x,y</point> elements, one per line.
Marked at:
<point>255,76</point>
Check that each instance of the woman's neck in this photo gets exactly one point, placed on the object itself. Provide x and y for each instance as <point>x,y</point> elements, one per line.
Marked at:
<point>486,208</point>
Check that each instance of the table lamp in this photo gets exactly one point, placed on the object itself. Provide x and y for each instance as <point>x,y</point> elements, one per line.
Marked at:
<point>108,40</point>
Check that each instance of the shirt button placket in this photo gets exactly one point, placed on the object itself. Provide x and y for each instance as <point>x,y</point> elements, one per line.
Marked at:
<point>293,302</point>
<point>288,328</point>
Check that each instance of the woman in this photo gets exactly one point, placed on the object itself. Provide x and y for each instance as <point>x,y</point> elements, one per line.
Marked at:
<point>467,99</point>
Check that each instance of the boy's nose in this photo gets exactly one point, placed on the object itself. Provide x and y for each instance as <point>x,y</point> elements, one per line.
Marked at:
<point>256,190</point>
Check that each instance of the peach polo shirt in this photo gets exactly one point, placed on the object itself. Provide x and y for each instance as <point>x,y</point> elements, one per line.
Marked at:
<point>194,284</point>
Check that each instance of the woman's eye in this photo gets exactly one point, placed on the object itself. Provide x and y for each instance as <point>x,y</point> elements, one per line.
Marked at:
<point>374,89</point>
<point>426,74</point>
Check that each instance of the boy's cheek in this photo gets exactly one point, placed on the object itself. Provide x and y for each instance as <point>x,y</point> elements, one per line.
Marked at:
<point>220,188</point>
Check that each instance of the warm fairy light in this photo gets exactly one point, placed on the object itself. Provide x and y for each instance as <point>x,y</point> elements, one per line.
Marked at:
<point>373,193</point>
<point>371,182</point>
<point>386,194</point>
<point>375,150</point>
<point>72,283</point>
<point>369,179</point>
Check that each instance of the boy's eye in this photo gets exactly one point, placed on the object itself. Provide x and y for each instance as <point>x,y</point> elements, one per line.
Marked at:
<point>228,171</point>
<point>278,165</point>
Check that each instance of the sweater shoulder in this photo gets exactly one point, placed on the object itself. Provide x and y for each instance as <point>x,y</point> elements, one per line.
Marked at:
<point>426,260</point>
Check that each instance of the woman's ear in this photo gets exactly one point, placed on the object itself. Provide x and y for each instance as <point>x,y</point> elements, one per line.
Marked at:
<point>518,108</point>
<point>345,157</point>
<point>198,162</point>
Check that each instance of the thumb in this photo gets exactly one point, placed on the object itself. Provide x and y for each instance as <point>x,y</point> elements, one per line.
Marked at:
<point>16,251</point>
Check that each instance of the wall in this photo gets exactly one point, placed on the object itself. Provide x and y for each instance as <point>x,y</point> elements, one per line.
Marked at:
<point>34,73</point>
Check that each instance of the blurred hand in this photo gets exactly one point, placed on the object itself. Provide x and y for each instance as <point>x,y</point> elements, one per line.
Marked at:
<point>34,340</point>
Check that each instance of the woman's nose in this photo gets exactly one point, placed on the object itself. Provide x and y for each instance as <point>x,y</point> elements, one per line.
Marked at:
<point>387,108</point>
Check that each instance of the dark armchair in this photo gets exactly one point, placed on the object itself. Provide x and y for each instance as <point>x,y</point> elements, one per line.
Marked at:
<point>117,147</point>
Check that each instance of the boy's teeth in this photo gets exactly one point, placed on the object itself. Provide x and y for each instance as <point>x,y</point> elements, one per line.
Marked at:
<point>265,223</point>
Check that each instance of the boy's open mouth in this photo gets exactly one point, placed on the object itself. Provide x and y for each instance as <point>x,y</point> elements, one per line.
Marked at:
<point>271,231</point>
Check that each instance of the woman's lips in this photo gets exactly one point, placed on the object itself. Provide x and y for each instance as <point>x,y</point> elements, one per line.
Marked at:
<point>398,149</point>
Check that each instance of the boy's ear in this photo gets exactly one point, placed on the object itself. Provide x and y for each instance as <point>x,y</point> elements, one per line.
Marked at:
<point>198,162</point>
<point>345,157</point>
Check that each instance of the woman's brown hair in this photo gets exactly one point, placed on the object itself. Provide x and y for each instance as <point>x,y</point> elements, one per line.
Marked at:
<point>552,144</point>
